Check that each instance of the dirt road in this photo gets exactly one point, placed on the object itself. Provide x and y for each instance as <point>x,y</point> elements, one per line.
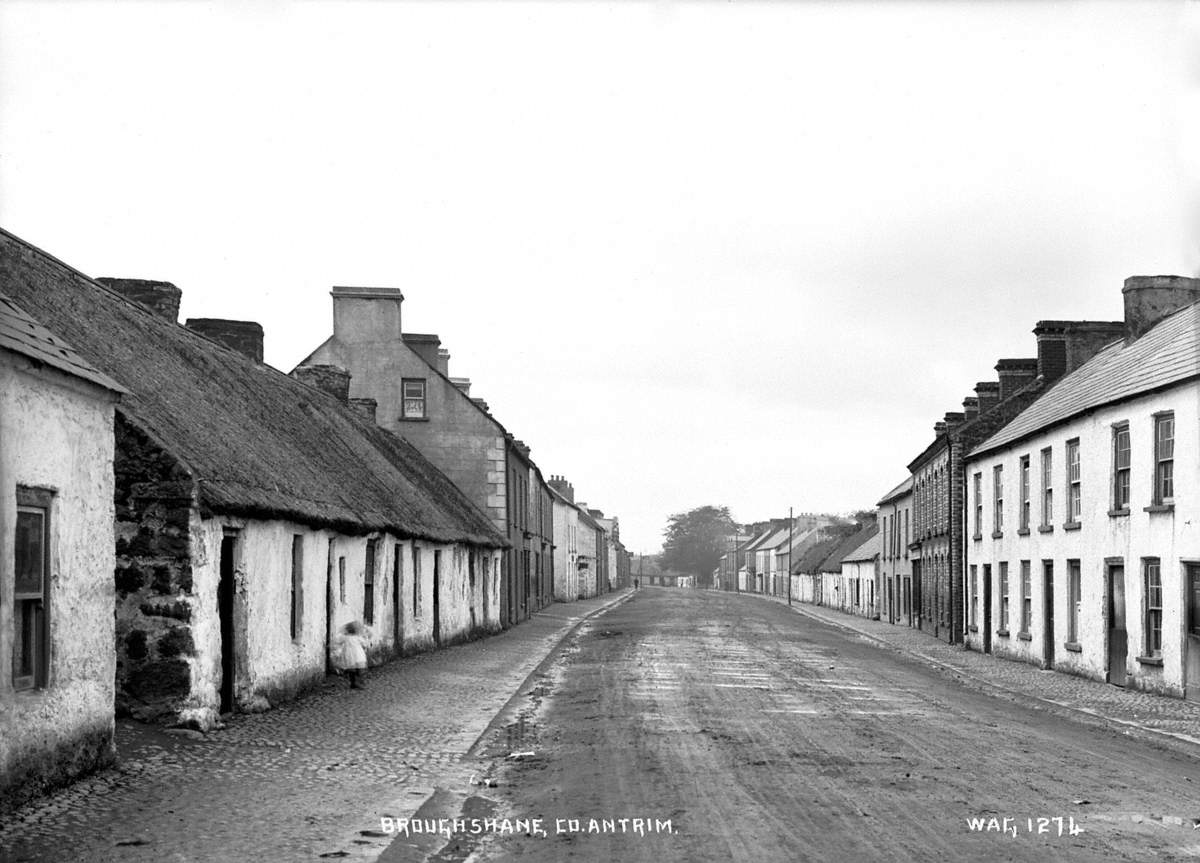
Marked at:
<point>762,735</point>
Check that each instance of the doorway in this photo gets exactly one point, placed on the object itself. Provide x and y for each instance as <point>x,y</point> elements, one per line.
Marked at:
<point>329,609</point>
<point>917,607</point>
<point>1118,637</point>
<point>437,597</point>
<point>1192,658</point>
<point>226,591</point>
<point>1047,614</point>
<point>397,622</point>
<point>987,608</point>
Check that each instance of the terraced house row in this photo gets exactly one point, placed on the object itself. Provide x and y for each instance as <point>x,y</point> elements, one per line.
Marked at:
<point>1055,519</point>
<point>184,529</point>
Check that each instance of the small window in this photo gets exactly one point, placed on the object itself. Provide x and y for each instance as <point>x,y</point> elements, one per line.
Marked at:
<point>1025,503</point>
<point>977,481</point>
<point>1073,600</point>
<point>413,398</point>
<point>1026,597</point>
<point>1121,467</point>
<point>341,579</point>
<point>297,584</point>
<point>1154,614</point>
<point>31,590</point>
<point>1004,596</point>
<point>1047,486</point>
<point>1164,458</point>
<point>369,583</point>
<point>998,499</point>
<point>1074,492</point>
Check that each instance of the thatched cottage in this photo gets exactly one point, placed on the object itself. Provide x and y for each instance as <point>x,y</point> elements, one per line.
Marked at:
<point>255,513</point>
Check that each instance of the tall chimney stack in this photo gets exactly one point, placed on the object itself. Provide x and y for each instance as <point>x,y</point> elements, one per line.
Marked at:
<point>366,316</point>
<point>1149,299</point>
<point>161,298</point>
<point>987,395</point>
<point>1015,374</point>
<point>245,337</point>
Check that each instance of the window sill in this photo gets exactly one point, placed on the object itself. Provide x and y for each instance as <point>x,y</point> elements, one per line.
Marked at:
<point>1046,528</point>
<point>414,419</point>
<point>1024,636</point>
<point>997,534</point>
<point>1023,532</point>
<point>1003,633</point>
<point>1071,525</point>
<point>1073,646</point>
<point>972,628</point>
<point>1118,513</point>
<point>1160,507</point>
<point>1150,660</point>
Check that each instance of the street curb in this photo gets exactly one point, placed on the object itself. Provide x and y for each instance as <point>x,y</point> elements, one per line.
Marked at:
<point>508,709</point>
<point>1084,715</point>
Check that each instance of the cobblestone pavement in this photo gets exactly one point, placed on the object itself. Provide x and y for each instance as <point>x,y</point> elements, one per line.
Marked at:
<point>305,781</point>
<point>1170,721</point>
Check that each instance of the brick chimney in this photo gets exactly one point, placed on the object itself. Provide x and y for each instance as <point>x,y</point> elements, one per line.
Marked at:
<point>970,408</point>
<point>1015,374</point>
<point>443,361</point>
<point>1149,299</point>
<point>245,337</point>
<point>425,345</point>
<point>367,408</point>
<point>332,379</point>
<point>939,428</point>
<point>366,316</point>
<point>987,395</point>
<point>560,485</point>
<point>161,298</point>
<point>1064,346</point>
<point>953,420</point>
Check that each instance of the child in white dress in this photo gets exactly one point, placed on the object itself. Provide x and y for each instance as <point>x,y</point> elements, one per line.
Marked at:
<point>350,652</point>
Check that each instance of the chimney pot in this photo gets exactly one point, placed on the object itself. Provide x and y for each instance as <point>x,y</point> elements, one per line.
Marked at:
<point>334,380</point>
<point>443,361</point>
<point>1149,299</point>
<point>161,298</point>
<point>245,337</point>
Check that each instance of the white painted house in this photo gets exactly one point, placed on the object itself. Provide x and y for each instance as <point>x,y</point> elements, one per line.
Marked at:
<point>57,653</point>
<point>255,512</point>
<point>1083,548</point>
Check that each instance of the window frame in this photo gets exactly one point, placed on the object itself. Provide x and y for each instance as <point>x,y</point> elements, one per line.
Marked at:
<point>1074,467</point>
<point>1164,480</point>
<point>977,488</point>
<point>997,500</point>
<point>370,567</point>
<point>41,501</point>
<point>1026,597</point>
<point>1047,486</point>
<point>1024,497</point>
<point>1074,598</point>
<point>405,399</point>
<point>1152,612</point>
<point>1121,472</point>
<point>1002,577</point>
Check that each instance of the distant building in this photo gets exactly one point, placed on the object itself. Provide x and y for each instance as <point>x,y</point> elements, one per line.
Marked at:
<point>859,577</point>
<point>895,569</point>
<point>56,560</point>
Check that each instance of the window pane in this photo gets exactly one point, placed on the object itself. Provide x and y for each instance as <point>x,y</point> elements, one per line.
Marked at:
<point>30,551</point>
<point>27,622</point>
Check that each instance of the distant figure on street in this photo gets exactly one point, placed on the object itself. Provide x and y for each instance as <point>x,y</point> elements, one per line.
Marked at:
<point>350,652</point>
<point>635,584</point>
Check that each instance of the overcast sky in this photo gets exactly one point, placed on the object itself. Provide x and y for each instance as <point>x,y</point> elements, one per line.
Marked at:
<point>741,254</point>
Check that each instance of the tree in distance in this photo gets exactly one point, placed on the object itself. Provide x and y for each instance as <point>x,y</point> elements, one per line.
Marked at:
<point>695,540</point>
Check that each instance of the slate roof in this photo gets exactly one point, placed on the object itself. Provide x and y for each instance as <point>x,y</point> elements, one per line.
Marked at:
<point>815,555</point>
<point>898,492</point>
<point>20,333</point>
<point>256,442</point>
<point>1168,353</point>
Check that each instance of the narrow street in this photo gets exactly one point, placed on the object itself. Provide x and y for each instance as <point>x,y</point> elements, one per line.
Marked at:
<point>762,734</point>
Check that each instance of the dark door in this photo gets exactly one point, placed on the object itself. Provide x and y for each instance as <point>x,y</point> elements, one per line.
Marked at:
<point>329,608</point>
<point>1192,661</point>
<point>987,608</point>
<point>437,597</point>
<point>916,593</point>
<point>225,594</point>
<point>471,583</point>
<point>1048,613</point>
<point>1118,639</point>
<point>397,628</point>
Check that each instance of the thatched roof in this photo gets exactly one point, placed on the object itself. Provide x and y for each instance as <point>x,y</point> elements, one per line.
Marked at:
<point>257,442</point>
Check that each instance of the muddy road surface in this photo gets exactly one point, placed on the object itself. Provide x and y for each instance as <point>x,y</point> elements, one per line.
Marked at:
<point>762,735</point>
